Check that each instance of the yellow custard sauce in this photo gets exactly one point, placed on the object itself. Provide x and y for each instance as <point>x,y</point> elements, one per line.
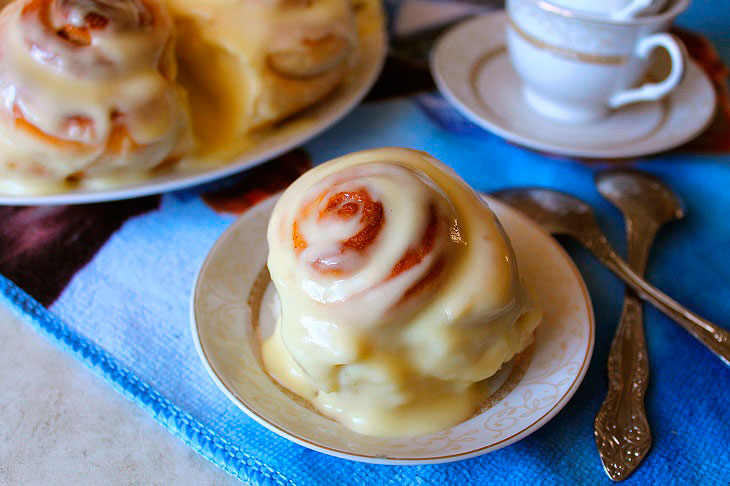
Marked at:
<point>399,293</point>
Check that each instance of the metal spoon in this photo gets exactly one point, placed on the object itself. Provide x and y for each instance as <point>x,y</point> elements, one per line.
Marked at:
<point>621,429</point>
<point>563,214</point>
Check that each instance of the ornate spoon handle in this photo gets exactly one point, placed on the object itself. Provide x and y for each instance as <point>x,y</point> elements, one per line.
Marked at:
<point>714,337</point>
<point>621,429</point>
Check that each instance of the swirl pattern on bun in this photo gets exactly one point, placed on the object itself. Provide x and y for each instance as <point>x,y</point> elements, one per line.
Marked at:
<point>88,88</point>
<point>399,293</point>
<point>338,233</point>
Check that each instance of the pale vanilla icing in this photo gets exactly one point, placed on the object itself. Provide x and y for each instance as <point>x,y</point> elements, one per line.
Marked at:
<point>87,89</point>
<point>92,95</point>
<point>249,63</point>
<point>399,293</point>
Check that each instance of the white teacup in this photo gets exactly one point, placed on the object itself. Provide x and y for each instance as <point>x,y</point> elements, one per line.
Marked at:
<point>577,68</point>
<point>614,9</point>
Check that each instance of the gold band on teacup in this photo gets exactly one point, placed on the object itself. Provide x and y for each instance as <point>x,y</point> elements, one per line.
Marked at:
<point>565,52</point>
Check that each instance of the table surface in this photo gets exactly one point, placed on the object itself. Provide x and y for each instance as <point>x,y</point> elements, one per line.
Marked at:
<point>63,425</point>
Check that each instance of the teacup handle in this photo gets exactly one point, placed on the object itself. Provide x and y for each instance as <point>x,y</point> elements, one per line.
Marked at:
<point>654,91</point>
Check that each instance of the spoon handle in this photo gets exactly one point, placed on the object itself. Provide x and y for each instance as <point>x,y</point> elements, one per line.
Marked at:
<point>621,428</point>
<point>714,337</point>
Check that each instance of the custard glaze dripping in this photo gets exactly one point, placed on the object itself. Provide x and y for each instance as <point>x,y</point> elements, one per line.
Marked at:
<point>399,293</point>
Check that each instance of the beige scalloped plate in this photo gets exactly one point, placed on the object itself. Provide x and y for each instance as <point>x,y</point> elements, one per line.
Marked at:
<point>231,294</point>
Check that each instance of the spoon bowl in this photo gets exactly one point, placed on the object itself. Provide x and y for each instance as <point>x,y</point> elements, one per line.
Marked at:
<point>641,194</point>
<point>557,212</point>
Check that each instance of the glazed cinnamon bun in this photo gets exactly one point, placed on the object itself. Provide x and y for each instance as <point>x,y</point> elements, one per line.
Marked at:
<point>88,89</point>
<point>248,64</point>
<point>399,293</point>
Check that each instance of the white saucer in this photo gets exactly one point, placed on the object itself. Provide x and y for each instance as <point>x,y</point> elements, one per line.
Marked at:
<point>229,303</point>
<point>473,71</point>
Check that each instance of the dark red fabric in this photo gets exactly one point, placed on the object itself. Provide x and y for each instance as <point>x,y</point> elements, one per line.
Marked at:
<point>41,248</point>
